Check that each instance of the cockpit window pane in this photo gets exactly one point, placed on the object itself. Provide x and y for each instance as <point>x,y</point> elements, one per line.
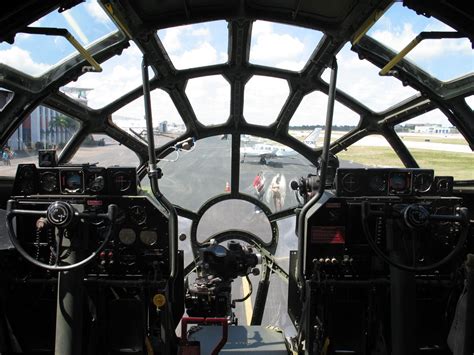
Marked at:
<point>43,128</point>
<point>167,122</point>
<point>277,166</point>
<point>400,25</point>
<point>264,97</point>
<point>361,79</point>
<point>35,54</point>
<point>192,177</point>
<point>196,45</point>
<point>233,214</point>
<point>436,144</point>
<point>282,46</point>
<point>210,98</point>
<point>470,101</point>
<point>311,114</point>
<point>6,96</point>
<point>120,75</point>
<point>105,151</point>
<point>371,152</point>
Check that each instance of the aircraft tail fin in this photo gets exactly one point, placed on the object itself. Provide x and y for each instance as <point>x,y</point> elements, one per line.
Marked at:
<point>312,138</point>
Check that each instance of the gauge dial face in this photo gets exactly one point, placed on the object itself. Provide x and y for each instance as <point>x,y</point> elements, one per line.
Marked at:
<point>148,237</point>
<point>399,183</point>
<point>127,236</point>
<point>442,185</point>
<point>422,182</point>
<point>122,181</point>
<point>350,182</point>
<point>378,183</point>
<point>72,181</point>
<point>96,183</point>
<point>49,182</point>
<point>138,214</point>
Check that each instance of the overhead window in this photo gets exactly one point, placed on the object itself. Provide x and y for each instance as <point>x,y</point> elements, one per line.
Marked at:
<point>87,22</point>
<point>400,25</point>
<point>282,46</point>
<point>196,45</point>
<point>361,79</point>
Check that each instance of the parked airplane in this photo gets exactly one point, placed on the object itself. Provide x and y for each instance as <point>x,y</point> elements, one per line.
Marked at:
<point>266,151</point>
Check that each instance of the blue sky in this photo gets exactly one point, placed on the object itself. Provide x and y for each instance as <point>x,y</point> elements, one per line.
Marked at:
<point>272,44</point>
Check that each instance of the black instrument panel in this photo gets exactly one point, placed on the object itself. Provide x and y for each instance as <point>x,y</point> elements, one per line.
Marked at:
<point>391,182</point>
<point>75,180</point>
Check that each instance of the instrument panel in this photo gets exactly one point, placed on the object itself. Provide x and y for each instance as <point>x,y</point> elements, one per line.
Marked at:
<point>391,182</point>
<point>75,180</point>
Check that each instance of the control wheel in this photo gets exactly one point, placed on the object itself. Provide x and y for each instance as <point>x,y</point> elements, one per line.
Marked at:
<point>415,217</point>
<point>60,214</point>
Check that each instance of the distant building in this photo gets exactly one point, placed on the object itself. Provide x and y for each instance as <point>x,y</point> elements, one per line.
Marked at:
<point>41,127</point>
<point>434,129</point>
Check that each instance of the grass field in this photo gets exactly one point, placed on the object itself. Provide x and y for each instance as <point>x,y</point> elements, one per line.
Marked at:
<point>459,165</point>
<point>432,139</point>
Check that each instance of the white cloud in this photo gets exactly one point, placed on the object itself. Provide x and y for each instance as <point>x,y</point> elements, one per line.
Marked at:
<point>397,38</point>
<point>281,45</point>
<point>201,32</point>
<point>21,59</point>
<point>94,10</point>
<point>172,39</point>
<point>271,47</point>
<point>203,54</point>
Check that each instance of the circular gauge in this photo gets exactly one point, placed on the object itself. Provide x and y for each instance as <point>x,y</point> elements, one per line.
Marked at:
<point>72,181</point>
<point>49,182</point>
<point>442,185</point>
<point>96,183</point>
<point>148,237</point>
<point>122,181</point>
<point>350,182</point>
<point>398,183</point>
<point>378,183</point>
<point>138,214</point>
<point>422,182</point>
<point>127,236</point>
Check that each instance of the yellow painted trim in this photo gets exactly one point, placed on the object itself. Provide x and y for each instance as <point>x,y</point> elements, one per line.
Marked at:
<point>119,23</point>
<point>84,53</point>
<point>371,20</point>
<point>248,309</point>
<point>400,55</point>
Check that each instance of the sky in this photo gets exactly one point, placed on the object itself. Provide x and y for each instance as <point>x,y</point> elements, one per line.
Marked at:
<point>272,44</point>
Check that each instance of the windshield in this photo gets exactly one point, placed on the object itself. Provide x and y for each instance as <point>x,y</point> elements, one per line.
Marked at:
<point>238,111</point>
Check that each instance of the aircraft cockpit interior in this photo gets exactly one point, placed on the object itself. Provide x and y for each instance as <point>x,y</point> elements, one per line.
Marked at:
<point>202,177</point>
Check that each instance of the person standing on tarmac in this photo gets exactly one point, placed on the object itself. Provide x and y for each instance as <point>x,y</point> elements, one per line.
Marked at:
<point>259,186</point>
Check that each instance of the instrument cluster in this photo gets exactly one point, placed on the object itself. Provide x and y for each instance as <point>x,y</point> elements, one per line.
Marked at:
<point>391,182</point>
<point>75,180</point>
